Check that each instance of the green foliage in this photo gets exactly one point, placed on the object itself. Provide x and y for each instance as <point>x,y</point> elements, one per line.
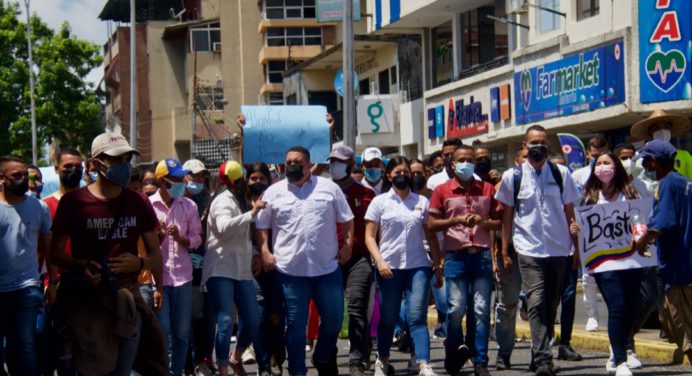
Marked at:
<point>67,107</point>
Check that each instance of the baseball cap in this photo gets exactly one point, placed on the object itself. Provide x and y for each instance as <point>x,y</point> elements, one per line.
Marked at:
<point>194,166</point>
<point>112,144</point>
<point>170,166</point>
<point>341,152</point>
<point>658,149</point>
<point>230,171</point>
<point>371,153</point>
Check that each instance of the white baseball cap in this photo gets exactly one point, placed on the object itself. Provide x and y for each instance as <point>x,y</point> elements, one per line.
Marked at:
<point>195,166</point>
<point>371,153</point>
<point>112,144</point>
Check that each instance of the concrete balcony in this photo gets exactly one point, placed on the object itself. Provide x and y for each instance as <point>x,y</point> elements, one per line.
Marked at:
<point>271,88</point>
<point>296,53</point>
<point>300,22</point>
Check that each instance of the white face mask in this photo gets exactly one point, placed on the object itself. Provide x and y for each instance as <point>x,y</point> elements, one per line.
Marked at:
<point>338,170</point>
<point>661,134</point>
<point>627,164</point>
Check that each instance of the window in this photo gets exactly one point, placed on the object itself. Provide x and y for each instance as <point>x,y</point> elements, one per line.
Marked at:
<point>548,21</point>
<point>587,8</point>
<point>364,86</point>
<point>393,75</point>
<point>274,99</point>
<point>294,36</point>
<point>202,38</point>
<point>443,56</point>
<point>275,72</point>
<point>210,97</point>
<point>284,9</point>
<point>484,40</point>
<point>383,78</point>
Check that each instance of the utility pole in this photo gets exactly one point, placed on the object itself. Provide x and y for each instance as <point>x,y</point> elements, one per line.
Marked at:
<point>34,148</point>
<point>133,79</point>
<point>349,99</point>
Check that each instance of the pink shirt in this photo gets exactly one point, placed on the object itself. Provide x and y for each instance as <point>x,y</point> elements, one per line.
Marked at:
<point>451,199</point>
<point>177,266</point>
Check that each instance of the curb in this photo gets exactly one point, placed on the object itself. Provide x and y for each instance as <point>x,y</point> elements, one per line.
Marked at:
<point>658,351</point>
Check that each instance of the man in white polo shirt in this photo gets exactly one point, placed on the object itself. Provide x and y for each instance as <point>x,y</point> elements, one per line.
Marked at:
<point>539,212</point>
<point>302,212</point>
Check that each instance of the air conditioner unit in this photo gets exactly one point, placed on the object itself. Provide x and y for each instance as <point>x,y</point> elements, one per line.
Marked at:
<point>216,47</point>
<point>517,6</point>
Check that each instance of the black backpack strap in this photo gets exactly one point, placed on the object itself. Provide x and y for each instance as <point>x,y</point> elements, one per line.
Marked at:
<point>516,179</point>
<point>557,176</point>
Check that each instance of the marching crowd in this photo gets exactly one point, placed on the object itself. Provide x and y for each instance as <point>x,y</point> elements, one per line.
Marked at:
<point>160,271</point>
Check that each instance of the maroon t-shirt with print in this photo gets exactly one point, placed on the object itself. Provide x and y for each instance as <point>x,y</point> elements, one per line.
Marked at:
<point>87,219</point>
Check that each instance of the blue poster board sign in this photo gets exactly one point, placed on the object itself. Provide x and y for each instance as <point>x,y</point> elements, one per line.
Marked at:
<point>271,130</point>
<point>495,104</point>
<point>665,50</point>
<point>440,121</point>
<point>432,132</point>
<point>576,83</point>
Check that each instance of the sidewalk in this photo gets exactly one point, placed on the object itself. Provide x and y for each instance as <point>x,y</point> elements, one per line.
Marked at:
<point>648,344</point>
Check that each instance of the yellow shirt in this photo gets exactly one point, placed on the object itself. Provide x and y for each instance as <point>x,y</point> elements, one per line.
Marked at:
<point>683,163</point>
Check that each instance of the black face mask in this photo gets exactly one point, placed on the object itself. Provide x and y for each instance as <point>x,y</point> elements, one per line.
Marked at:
<point>19,187</point>
<point>401,182</point>
<point>483,166</point>
<point>538,152</point>
<point>448,162</point>
<point>418,182</point>
<point>257,189</point>
<point>71,178</point>
<point>294,173</point>
<point>439,169</point>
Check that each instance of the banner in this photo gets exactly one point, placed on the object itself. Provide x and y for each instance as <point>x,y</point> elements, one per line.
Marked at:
<point>466,120</point>
<point>377,113</point>
<point>573,150</point>
<point>665,30</point>
<point>576,83</point>
<point>333,10</point>
<point>606,236</point>
<point>271,130</point>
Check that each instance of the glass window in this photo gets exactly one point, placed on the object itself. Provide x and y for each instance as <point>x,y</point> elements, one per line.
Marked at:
<point>393,75</point>
<point>484,40</point>
<point>274,72</point>
<point>294,36</point>
<point>364,86</point>
<point>202,38</point>
<point>210,98</point>
<point>383,78</point>
<point>274,99</point>
<point>443,60</point>
<point>281,9</point>
<point>548,21</point>
<point>587,8</point>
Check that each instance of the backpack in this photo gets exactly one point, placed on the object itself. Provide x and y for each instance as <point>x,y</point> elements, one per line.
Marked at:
<point>518,172</point>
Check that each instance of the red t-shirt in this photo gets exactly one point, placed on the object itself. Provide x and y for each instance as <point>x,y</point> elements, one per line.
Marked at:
<point>359,198</point>
<point>86,220</point>
<point>52,203</point>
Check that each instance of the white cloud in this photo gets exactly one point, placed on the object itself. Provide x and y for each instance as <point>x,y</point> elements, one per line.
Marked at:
<point>82,15</point>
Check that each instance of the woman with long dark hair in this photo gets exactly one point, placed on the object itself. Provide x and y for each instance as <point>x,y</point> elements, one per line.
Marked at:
<point>399,218</point>
<point>609,183</point>
<point>227,270</point>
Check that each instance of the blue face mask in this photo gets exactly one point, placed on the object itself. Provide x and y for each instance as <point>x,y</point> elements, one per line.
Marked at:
<point>93,175</point>
<point>194,188</point>
<point>464,170</point>
<point>119,174</point>
<point>373,174</point>
<point>176,190</point>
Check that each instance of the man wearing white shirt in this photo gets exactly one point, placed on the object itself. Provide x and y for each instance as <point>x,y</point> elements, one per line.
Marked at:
<point>302,212</point>
<point>372,168</point>
<point>540,213</point>
<point>448,148</point>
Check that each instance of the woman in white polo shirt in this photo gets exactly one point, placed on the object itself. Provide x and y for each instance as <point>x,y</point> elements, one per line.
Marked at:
<point>403,265</point>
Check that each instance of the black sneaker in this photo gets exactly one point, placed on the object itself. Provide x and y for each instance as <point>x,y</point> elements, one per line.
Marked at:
<point>502,363</point>
<point>455,360</point>
<point>481,371</point>
<point>544,370</point>
<point>356,370</point>
<point>568,353</point>
<point>327,368</point>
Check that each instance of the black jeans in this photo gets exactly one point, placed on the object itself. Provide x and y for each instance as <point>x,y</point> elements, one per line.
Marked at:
<point>269,342</point>
<point>648,295</point>
<point>357,274</point>
<point>568,300</point>
<point>620,291</point>
<point>542,279</point>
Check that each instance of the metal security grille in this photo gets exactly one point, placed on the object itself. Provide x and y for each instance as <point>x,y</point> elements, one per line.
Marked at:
<point>214,152</point>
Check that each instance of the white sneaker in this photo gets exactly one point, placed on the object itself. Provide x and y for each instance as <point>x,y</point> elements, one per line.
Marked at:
<point>610,366</point>
<point>632,361</point>
<point>248,356</point>
<point>623,370</point>
<point>426,370</point>
<point>592,325</point>
<point>380,368</point>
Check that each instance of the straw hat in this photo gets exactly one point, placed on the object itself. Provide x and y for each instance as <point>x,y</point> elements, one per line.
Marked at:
<point>680,124</point>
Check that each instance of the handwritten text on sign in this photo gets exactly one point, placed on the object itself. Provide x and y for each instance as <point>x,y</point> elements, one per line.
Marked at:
<point>271,130</point>
<point>606,236</point>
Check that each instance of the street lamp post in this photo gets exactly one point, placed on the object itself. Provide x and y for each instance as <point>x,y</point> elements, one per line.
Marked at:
<point>133,79</point>
<point>349,100</point>
<point>32,99</point>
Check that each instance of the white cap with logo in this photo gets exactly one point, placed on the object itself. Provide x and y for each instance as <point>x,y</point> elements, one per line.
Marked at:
<point>371,153</point>
<point>112,144</point>
<point>195,166</point>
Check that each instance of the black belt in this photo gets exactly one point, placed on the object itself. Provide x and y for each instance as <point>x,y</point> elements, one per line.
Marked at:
<point>469,250</point>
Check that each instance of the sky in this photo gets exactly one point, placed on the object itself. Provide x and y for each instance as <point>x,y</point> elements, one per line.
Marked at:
<point>82,16</point>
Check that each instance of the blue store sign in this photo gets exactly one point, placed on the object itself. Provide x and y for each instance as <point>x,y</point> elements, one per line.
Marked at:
<point>577,83</point>
<point>665,50</point>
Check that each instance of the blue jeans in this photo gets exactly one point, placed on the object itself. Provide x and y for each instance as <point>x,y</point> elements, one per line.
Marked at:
<point>18,312</point>
<point>620,291</point>
<point>224,292</point>
<point>147,293</point>
<point>464,272</point>
<point>270,337</point>
<point>328,293</point>
<point>440,296</point>
<point>127,351</point>
<point>414,285</point>
<point>175,317</point>
<point>507,290</point>
<point>568,301</point>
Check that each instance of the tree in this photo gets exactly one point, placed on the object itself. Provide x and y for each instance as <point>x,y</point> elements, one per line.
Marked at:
<point>67,106</point>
